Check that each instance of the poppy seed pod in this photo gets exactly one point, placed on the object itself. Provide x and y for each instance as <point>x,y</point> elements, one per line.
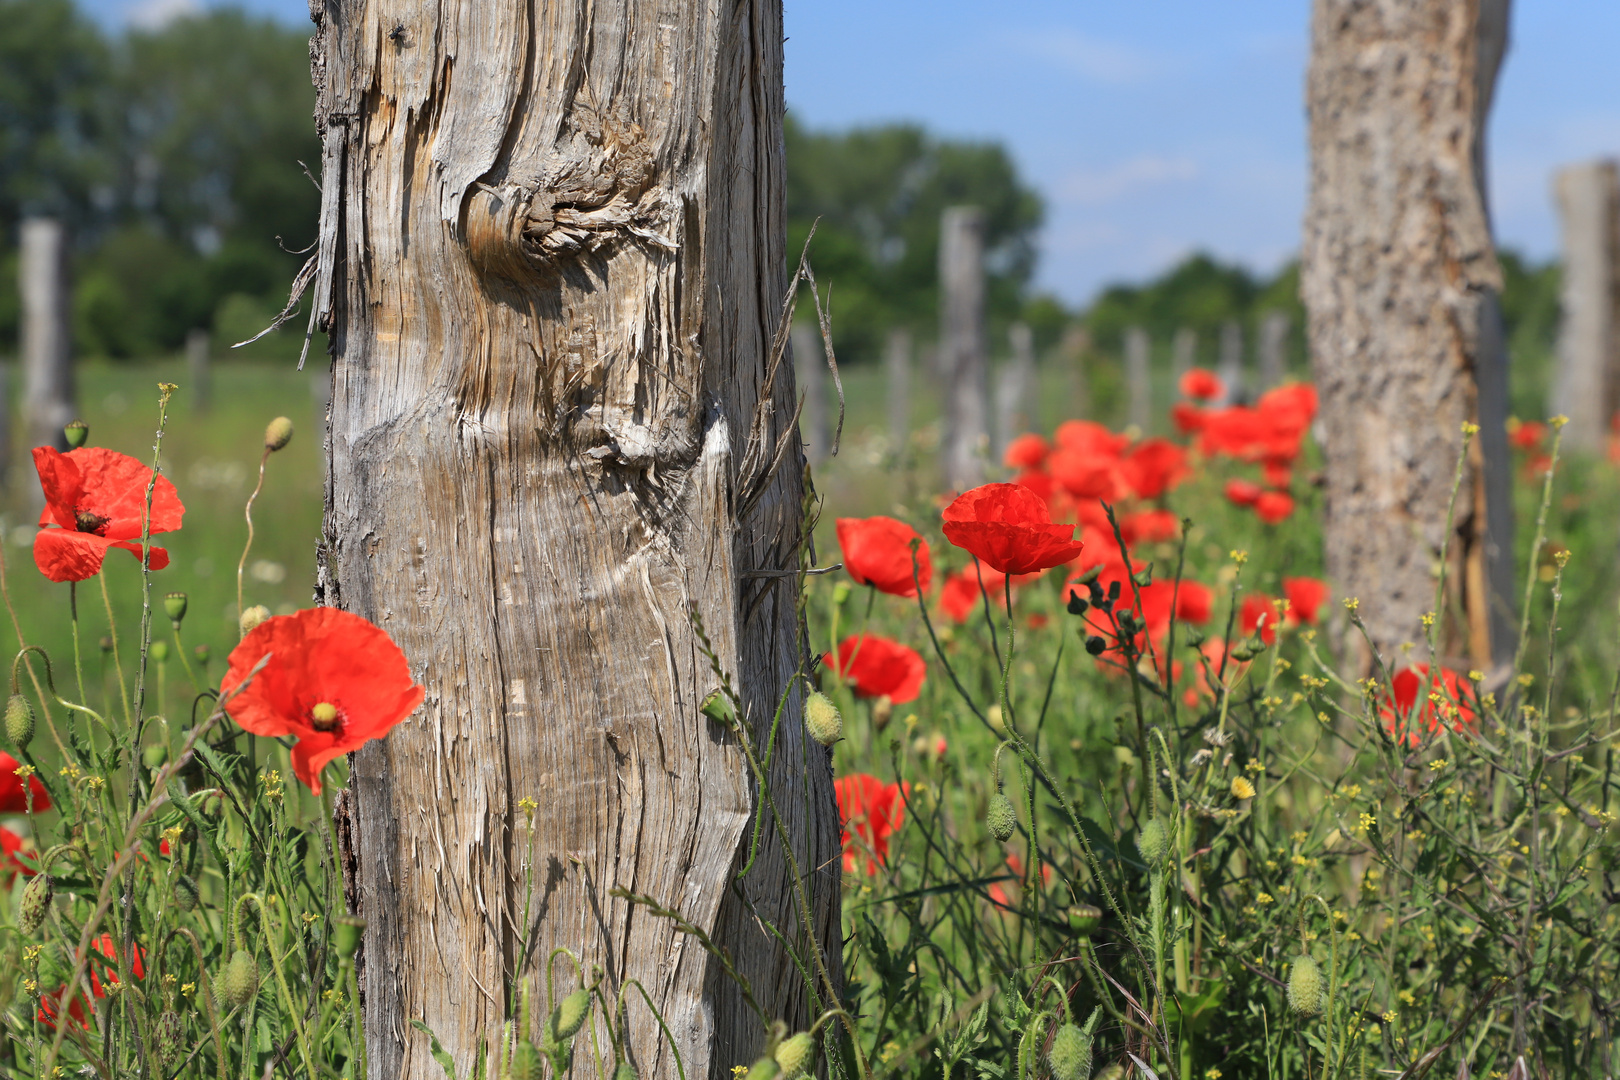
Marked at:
<point>158,651</point>
<point>254,617</point>
<point>1153,841</point>
<point>174,606</point>
<point>19,721</point>
<point>1070,1056</point>
<point>765,1068</point>
<point>822,718</point>
<point>185,893</point>
<point>1084,918</point>
<point>525,1062</point>
<point>169,1038</point>
<point>278,434</point>
<point>239,982</point>
<point>793,1055</point>
<point>346,931</point>
<point>35,904</point>
<point>1305,987</point>
<point>1001,818</point>
<point>570,1015</point>
<point>77,433</point>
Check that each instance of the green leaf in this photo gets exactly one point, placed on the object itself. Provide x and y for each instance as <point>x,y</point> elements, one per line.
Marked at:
<point>443,1058</point>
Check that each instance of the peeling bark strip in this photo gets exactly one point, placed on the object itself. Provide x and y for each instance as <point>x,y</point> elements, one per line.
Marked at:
<point>551,270</point>
<point>1399,277</point>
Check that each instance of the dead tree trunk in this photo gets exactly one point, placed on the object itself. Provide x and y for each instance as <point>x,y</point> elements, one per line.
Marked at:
<point>1138,378</point>
<point>897,365</point>
<point>810,368</point>
<point>551,256</point>
<point>1587,389</point>
<point>46,339</point>
<point>1399,277</point>
<point>961,346</point>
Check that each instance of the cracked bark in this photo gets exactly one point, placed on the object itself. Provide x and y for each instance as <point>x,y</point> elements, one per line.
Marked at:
<point>550,265</point>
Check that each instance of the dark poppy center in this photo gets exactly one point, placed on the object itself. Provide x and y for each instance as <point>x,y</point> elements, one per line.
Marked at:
<point>324,716</point>
<point>88,521</point>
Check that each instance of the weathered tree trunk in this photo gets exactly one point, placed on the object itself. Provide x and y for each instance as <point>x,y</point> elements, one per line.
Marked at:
<point>47,344</point>
<point>1587,389</point>
<point>1399,277</point>
<point>961,346</point>
<point>1138,377</point>
<point>198,370</point>
<point>1230,366</point>
<point>897,365</point>
<point>1273,349</point>
<point>551,272</point>
<point>1183,355</point>
<point>1015,388</point>
<point>1076,350</point>
<point>810,368</point>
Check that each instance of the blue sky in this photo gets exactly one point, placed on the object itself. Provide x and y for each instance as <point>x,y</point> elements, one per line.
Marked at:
<point>1154,128</point>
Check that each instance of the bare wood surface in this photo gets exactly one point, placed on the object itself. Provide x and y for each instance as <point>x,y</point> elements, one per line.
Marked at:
<point>551,268</point>
<point>962,362</point>
<point>897,367</point>
<point>47,339</point>
<point>1138,378</point>
<point>1587,389</point>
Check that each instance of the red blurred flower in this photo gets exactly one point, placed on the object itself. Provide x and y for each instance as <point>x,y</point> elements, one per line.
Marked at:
<point>1193,604</point>
<point>1040,483</point>
<point>1010,528</point>
<point>1089,437</point>
<point>13,799</point>
<point>1025,452</point>
<point>50,1003</point>
<point>876,666</point>
<point>1278,472</point>
<point>1274,429</point>
<point>10,864</point>
<point>1243,492</point>
<point>1305,599</point>
<point>877,552</point>
<point>1153,467</point>
<point>1189,419</point>
<point>1201,384</point>
<point>1213,668</point>
<point>1273,507</point>
<point>1016,865</point>
<point>1088,475</point>
<point>333,680</point>
<point>1402,721</point>
<point>959,597</point>
<point>1526,434</point>
<point>875,810</point>
<point>1149,527</point>
<point>96,499</point>
<point>1038,621</point>
<point>1257,607</point>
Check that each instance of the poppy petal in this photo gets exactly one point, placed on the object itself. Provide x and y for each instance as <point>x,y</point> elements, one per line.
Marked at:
<point>65,555</point>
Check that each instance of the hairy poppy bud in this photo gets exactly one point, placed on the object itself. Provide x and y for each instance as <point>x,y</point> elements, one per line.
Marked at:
<point>239,982</point>
<point>154,756</point>
<point>1127,622</point>
<point>185,893</point>
<point>1001,817</point>
<point>346,930</point>
<point>765,1068</point>
<point>1070,1056</point>
<point>841,593</point>
<point>1084,918</point>
<point>570,1015</point>
<point>158,651</point>
<point>525,1062</point>
<point>174,606</point>
<point>625,1071</point>
<point>77,432</point>
<point>794,1054</point>
<point>882,710</point>
<point>170,1036</point>
<point>1112,1072</point>
<point>253,616</point>
<point>1195,636</point>
<point>1245,652</point>
<point>278,434</point>
<point>1153,841</point>
<point>1305,987</point>
<point>822,718</point>
<point>19,721</point>
<point>717,707</point>
<point>1077,606</point>
<point>1144,577</point>
<point>1096,645</point>
<point>35,904</point>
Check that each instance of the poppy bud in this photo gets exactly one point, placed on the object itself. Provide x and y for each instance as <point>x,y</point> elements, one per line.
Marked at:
<point>525,1062</point>
<point>794,1054</point>
<point>77,432</point>
<point>625,1071</point>
<point>278,434</point>
<point>35,904</point>
<point>1305,987</point>
<point>1084,918</point>
<point>201,653</point>
<point>822,719</point>
<point>185,893</point>
<point>1112,1072</point>
<point>882,710</point>
<point>570,1015</point>
<point>1090,576</point>
<point>1113,591</point>
<point>1070,1056</point>
<point>1077,606</point>
<point>1144,577</point>
<point>158,651</point>
<point>1127,622</point>
<point>253,617</point>
<point>717,707</point>
<point>1153,841</point>
<point>1001,818</point>
<point>174,605</point>
<point>154,756</point>
<point>1096,645</point>
<point>239,982</point>
<point>1244,653</point>
<point>19,721</point>
<point>765,1068</point>
<point>1195,636</point>
<point>346,930</point>
<point>106,643</point>
<point>169,1038</point>
<point>841,593</point>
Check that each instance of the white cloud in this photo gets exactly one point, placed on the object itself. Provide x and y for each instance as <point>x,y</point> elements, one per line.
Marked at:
<point>156,14</point>
<point>1093,186</point>
<point>1091,58</point>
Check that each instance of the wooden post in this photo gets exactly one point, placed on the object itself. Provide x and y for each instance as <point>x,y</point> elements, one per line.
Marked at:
<point>897,365</point>
<point>810,369</point>
<point>5,422</point>
<point>1230,366</point>
<point>1588,382</point>
<point>1183,355</point>
<point>1138,378</point>
<point>1015,387</point>
<point>46,338</point>
<point>197,368</point>
<point>1274,329</point>
<point>961,346</point>
<point>1076,350</point>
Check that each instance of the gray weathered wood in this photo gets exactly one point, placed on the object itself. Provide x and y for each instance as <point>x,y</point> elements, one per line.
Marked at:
<point>7,381</point>
<point>962,346</point>
<point>552,278</point>
<point>198,370</point>
<point>1183,354</point>
<point>1273,350</point>
<point>810,369</point>
<point>1398,275</point>
<point>1587,387</point>
<point>897,366</point>
<point>1230,366</point>
<point>1076,352</point>
<point>1138,378</point>
<point>1015,388</point>
<point>47,342</point>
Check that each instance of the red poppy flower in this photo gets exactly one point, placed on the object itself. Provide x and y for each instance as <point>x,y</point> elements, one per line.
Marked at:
<point>1526,434</point>
<point>1212,657</point>
<point>1010,528</point>
<point>96,498</point>
<point>1274,507</point>
<point>1089,437</point>
<point>10,865</point>
<point>875,810</point>
<point>333,680</point>
<point>50,1003</point>
<point>1201,384</point>
<point>1025,452</point>
<point>1088,475</point>
<point>13,799</point>
<point>877,552</point>
<point>1273,429</point>
<point>1153,467</point>
<point>1257,607</point>
<point>960,596</point>
<point>1452,709</point>
<point>1193,604</point>
<point>1149,527</point>
<point>1305,598</point>
<point>1278,472</point>
<point>1243,492</point>
<point>1040,483</point>
<point>1016,866</point>
<point>876,666</point>
<point>1189,419</point>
